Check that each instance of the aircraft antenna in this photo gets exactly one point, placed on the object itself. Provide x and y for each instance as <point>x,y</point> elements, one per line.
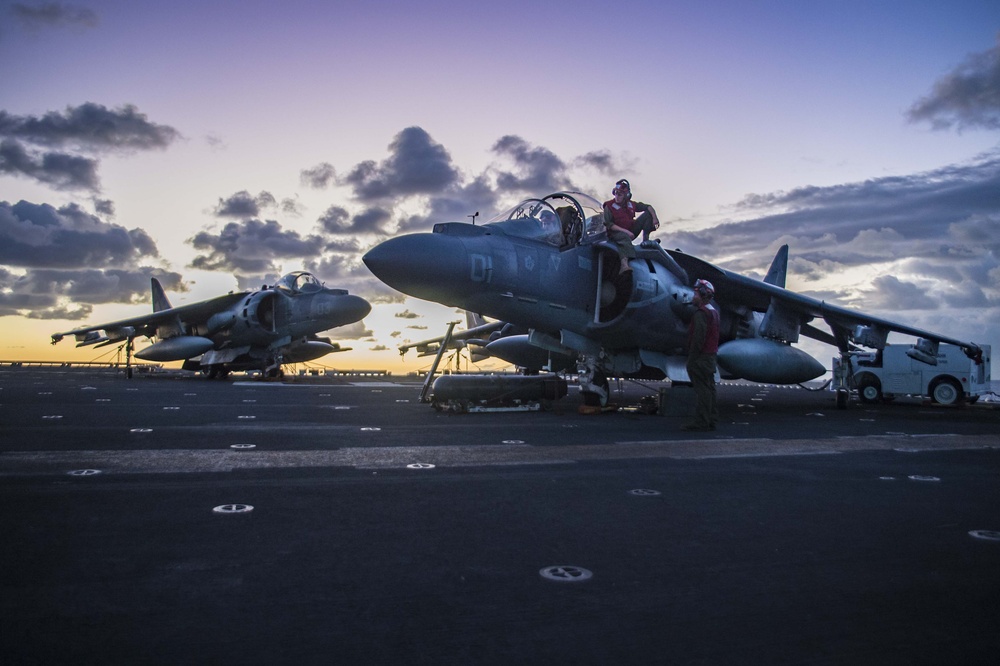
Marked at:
<point>474,216</point>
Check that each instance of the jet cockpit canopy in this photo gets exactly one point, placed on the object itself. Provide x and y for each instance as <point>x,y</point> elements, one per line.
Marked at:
<point>299,282</point>
<point>559,219</point>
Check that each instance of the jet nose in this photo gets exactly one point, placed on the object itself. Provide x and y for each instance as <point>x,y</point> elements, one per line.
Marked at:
<point>340,309</point>
<point>355,307</point>
<point>433,267</point>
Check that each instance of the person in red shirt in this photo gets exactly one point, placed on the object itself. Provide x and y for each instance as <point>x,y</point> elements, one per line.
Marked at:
<point>703,346</point>
<point>622,224</point>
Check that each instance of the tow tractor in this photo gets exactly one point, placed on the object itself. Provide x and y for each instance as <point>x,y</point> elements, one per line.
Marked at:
<point>951,378</point>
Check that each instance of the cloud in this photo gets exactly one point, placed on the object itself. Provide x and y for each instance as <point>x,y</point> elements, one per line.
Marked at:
<point>966,98</point>
<point>90,126</point>
<point>69,260</point>
<point>891,293</point>
<point>59,170</point>
<point>406,314</point>
<point>318,177</point>
<point>244,205</point>
<point>251,248</point>
<point>355,331</point>
<point>53,14</point>
<point>26,143</point>
<point>927,245</point>
<point>536,169</point>
<point>416,165</point>
<point>70,294</point>
<point>41,236</point>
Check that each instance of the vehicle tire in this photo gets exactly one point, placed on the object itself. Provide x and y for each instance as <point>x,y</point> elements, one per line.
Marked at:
<point>946,391</point>
<point>869,388</point>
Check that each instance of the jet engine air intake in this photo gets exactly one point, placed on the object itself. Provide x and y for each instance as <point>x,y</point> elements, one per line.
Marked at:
<point>259,311</point>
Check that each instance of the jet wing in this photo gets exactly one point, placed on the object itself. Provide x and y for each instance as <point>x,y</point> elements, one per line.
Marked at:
<point>735,291</point>
<point>146,325</point>
<point>476,333</point>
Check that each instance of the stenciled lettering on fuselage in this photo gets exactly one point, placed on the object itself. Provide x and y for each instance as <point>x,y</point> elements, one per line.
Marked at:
<point>481,268</point>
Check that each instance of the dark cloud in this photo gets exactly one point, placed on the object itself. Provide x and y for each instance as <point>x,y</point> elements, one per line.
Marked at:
<point>318,177</point>
<point>338,221</point>
<point>105,207</point>
<point>335,220</point>
<point>243,205</point>
<point>966,98</point>
<point>90,127</point>
<point>605,162</point>
<point>71,260</point>
<point>25,142</point>
<point>456,205</point>
<point>536,169</point>
<point>942,213</point>
<point>891,293</point>
<point>929,241</point>
<point>416,165</point>
<point>71,294</point>
<point>53,14</point>
<point>406,314</point>
<point>41,236</point>
<point>291,206</point>
<point>59,170</point>
<point>252,248</point>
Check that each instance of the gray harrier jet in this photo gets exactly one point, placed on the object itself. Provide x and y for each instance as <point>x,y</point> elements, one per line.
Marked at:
<point>546,269</point>
<point>258,330</point>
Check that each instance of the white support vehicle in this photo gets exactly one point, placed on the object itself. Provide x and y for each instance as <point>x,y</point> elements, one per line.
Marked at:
<point>881,375</point>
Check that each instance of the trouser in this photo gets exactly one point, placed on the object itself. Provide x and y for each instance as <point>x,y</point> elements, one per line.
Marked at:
<point>701,370</point>
<point>641,226</point>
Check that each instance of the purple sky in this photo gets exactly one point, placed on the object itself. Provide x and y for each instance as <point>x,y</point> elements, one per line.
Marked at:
<point>218,145</point>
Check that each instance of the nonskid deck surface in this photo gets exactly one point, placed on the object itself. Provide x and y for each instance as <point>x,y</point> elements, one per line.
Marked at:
<point>384,531</point>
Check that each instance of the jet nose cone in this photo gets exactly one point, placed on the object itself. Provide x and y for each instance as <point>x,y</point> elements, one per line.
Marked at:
<point>340,309</point>
<point>355,307</point>
<point>433,267</point>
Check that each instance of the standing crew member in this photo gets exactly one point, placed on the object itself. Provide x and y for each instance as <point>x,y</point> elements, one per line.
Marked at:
<point>622,224</point>
<point>703,345</point>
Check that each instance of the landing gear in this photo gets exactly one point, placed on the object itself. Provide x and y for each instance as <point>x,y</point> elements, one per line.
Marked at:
<point>843,377</point>
<point>594,386</point>
<point>216,371</point>
<point>272,368</point>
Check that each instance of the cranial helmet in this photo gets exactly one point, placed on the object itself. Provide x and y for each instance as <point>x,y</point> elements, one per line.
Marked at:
<point>623,187</point>
<point>704,289</point>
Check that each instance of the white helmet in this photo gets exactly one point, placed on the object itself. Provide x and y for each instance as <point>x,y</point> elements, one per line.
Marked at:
<point>704,289</point>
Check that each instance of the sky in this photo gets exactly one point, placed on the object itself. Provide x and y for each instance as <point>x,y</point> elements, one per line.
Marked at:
<point>218,145</point>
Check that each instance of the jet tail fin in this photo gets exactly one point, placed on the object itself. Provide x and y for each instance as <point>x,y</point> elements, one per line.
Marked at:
<point>160,301</point>
<point>779,268</point>
<point>472,319</point>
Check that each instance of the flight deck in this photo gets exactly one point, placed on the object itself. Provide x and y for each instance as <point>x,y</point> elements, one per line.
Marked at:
<point>171,519</point>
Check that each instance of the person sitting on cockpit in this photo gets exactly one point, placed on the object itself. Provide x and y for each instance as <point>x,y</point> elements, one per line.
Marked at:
<point>551,228</point>
<point>622,224</point>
